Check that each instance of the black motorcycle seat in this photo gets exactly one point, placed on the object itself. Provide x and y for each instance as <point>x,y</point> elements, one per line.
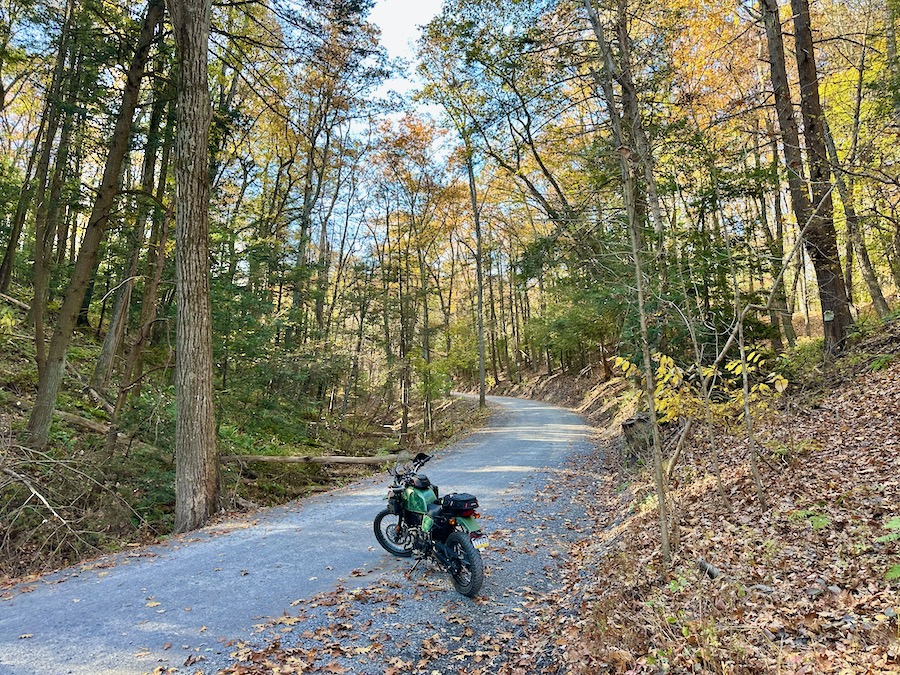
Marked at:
<point>434,509</point>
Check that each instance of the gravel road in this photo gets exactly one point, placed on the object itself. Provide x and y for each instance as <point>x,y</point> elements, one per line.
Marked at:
<point>308,581</point>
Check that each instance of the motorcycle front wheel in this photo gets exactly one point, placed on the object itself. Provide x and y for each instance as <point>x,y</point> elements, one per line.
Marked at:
<point>392,534</point>
<point>469,576</point>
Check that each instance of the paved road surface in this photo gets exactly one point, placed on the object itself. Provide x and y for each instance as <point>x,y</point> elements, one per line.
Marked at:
<point>196,593</point>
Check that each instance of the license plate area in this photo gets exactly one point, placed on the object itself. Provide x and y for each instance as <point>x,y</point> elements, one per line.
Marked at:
<point>480,543</point>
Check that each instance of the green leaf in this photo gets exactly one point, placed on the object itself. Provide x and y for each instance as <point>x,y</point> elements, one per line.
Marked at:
<point>892,524</point>
<point>818,522</point>
<point>881,362</point>
<point>893,573</point>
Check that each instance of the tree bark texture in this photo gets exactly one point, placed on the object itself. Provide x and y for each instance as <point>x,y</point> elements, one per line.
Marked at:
<point>196,464</point>
<point>51,377</point>
<point>821,238</point>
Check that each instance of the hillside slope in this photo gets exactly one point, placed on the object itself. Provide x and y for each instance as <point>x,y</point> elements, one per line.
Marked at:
<point>807,585</point>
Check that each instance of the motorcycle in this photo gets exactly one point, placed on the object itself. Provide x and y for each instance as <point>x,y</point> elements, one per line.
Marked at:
<point>418,522</point>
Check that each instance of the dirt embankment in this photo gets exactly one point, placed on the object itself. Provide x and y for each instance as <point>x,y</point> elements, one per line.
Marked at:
<point>604,404</point>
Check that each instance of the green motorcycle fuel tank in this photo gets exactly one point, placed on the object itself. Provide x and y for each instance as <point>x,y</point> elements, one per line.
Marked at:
<point>418,497</point>
<point>417,501</point>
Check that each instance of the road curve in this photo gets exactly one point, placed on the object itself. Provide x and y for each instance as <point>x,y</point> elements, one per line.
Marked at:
<point>198,593</point>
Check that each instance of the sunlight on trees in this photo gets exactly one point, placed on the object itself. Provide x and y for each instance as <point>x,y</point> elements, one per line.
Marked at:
<point>606,179</point>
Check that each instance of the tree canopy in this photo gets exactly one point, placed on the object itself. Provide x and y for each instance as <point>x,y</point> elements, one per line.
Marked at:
<point>602,179</point>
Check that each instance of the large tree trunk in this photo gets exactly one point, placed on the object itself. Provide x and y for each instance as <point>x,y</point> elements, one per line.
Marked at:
<point>196,464</point>
<point>821,239</point>
<point>815,218</point>
<point>51,377</point>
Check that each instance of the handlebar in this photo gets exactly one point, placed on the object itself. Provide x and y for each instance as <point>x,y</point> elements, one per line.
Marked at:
<point>417,463</point>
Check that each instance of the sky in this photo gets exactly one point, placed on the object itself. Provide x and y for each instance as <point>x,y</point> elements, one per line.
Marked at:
<point>399,21</point>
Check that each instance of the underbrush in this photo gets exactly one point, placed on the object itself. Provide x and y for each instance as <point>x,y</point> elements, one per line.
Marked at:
<point>78,499</point>
<point>91,491</point>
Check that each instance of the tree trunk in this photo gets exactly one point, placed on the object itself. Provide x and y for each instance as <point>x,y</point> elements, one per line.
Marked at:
<point>116,331</point>
<point>18,221</point>
<point>781,302</point>
<point>492,319</point>
<point>38,186</point>
<point>816,217</point>
<point>479,275</point>
<point>634,129</point>
<point>427,375</point>
<point>49,382</point>
<point>405,345</point>
<point>605,83</point>
<point>196,463</point>
<point>890,33</point>
<point>855,234</point>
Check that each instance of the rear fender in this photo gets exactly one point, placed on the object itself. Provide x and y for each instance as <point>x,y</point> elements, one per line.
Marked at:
<point>470,524</point>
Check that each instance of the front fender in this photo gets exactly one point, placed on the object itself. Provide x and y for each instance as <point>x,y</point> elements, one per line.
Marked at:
<point>395,505</point>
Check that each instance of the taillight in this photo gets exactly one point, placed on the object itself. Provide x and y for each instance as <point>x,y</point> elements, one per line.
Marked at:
<point>468,513</point>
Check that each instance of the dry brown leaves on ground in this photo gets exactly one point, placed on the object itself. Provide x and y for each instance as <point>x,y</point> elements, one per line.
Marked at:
<point>801,585</point>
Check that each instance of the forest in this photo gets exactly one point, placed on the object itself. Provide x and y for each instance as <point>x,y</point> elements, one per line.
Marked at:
<point>222,233</point>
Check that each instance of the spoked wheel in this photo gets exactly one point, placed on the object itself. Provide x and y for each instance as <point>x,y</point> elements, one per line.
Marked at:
<point>392,534</point>
<point>468,572</point>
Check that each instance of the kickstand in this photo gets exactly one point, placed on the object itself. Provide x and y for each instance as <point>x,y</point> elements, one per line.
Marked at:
<point>413,568</point>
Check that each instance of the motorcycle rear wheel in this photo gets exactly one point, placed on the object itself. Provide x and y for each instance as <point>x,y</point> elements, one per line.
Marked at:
<point>392,534</point>
<point>468,579</point>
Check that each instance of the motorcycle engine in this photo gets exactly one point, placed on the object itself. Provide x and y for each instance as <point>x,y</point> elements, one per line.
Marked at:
<point>421,541</point>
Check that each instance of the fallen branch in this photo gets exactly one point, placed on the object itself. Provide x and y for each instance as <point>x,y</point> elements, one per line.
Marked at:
<point>715,573</point>
<point>103,428</point>
<point>94,395</point>
<point>100,428</point>
<point>24,481</point>
<point>321,459</point>
<point>18,303</point>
